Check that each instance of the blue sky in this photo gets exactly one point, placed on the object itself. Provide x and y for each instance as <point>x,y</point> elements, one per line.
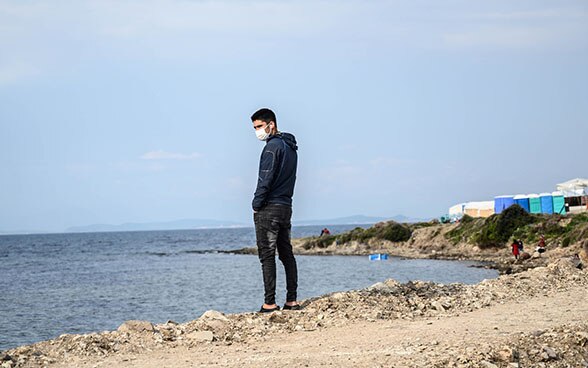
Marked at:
<point>136,111</point>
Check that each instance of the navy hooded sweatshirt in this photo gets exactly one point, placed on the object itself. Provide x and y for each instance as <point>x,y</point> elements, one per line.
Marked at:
<point>277,171</point>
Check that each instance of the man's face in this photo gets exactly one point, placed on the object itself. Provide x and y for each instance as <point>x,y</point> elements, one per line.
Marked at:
<point>258,124</point>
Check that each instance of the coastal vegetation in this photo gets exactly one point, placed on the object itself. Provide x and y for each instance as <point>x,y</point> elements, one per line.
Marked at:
<point>493,231</point>
<point>489,234</point>
<point>516,223</point>
<point>391,231</point>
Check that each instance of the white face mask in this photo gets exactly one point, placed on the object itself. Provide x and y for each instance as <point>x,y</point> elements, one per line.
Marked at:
<point>261,134</point>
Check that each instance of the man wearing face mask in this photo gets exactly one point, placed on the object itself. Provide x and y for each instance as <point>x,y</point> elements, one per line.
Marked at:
<point>272,208</point>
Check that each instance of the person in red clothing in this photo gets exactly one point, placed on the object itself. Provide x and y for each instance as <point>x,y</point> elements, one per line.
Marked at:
<point>542,241</point>
<point>541,246</point>
<point>515,249</point>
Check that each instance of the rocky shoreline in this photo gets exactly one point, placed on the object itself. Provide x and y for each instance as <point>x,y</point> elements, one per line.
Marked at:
<point>431,242</point>
<point>562,346</point>
<point>558,276</point>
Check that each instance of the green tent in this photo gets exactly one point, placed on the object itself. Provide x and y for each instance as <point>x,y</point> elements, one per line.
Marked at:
<point>559,203</point>
<point>534,203</point>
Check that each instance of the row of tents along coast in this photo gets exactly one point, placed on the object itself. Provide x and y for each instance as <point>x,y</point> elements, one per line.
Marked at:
<point>569,197</point>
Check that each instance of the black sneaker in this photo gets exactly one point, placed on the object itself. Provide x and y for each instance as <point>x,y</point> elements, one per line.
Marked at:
<point>264,310</point>
<point>292,307</point>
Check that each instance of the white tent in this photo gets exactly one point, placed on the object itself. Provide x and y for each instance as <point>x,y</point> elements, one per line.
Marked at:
<point>574,188</point>
<point>456,210</point>
<point>479,209</point>
<point>484,205</point>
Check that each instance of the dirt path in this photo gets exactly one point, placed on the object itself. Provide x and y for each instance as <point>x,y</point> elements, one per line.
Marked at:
<point>424,342</point>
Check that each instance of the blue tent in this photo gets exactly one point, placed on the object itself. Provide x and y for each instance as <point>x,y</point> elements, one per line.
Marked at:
<point>523,201</point>
<point>546,203</point>
<point>503,202</point>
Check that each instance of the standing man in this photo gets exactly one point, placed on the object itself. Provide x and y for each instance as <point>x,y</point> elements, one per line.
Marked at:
<point>272,207</point>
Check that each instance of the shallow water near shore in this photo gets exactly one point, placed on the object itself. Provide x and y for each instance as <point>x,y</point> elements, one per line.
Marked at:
<point>77,283</point>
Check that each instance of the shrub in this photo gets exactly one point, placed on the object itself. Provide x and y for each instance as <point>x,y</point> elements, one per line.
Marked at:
<point>579,219</point>
<point>466,219</point>
<point>390,230</point>
<point>497,229</point>
<point>393,232</point>
<point>467,227</point>
<point>420,225</point>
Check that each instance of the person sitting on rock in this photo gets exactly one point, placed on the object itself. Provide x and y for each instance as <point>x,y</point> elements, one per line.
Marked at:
<point>542,241</point>
<point>541,246</point>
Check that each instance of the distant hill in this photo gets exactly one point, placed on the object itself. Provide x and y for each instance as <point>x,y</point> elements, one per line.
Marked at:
<point>167,225</point>
<point>215,224</point>
<point>357,219</point>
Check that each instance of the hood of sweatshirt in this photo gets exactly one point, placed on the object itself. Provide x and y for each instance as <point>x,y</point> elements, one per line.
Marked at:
<point>289,139</point>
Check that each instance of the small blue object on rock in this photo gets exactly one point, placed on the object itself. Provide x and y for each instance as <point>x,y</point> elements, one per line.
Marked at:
<point>378,257</point>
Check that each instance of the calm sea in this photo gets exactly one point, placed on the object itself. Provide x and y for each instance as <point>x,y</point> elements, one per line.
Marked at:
<point>52,284</point>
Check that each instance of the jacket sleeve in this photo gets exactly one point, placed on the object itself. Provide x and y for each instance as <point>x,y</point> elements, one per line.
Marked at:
<point>269,165</point>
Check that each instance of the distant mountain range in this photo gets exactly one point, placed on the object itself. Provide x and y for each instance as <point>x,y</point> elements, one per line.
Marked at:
<point>212,224</point>
<point>187,224</point>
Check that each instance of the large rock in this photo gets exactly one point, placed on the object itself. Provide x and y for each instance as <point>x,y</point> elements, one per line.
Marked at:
<point>135,326</point>
<point>549,354</point>
<point>379,286</point>
<point>214,315</point>
<point>200,336</point>
<point>215,321</point>
<point>437,305</point>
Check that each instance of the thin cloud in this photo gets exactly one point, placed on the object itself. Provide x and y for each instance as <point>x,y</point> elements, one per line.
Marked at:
<point>164,155</point>
<point>16,72</point>
<point>540,14</point>
<point>60,36</point>
<point>502,37</point>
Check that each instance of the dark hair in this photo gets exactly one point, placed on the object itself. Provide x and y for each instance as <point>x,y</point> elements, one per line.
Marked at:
<point>265,115</point>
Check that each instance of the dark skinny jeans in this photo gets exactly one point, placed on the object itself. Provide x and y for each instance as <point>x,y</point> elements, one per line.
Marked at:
<point>272,229</point>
